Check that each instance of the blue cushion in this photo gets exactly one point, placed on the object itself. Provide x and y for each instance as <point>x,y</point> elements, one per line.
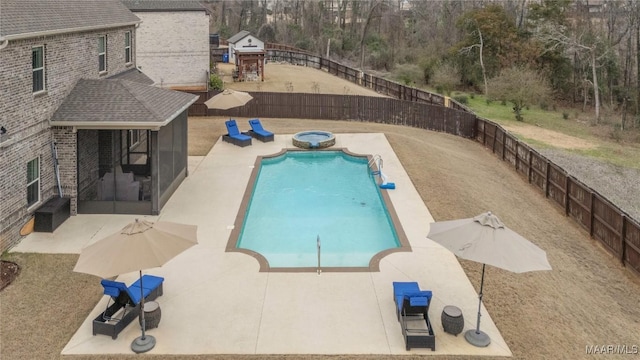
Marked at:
<point>399,288</point>
<point>150,282</point>
<point>424,293</point>
<point>232,127</point>
<point>256,126</point>
<point>112,288</point>
<point>418,301</point>
<point>241,137</point>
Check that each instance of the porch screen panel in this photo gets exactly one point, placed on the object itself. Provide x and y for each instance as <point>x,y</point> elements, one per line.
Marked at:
<point>180,143</point>
<point>165,147</point>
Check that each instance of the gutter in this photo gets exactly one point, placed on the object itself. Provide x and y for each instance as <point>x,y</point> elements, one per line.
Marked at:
<point>63,31</point>
<point>3,43</point>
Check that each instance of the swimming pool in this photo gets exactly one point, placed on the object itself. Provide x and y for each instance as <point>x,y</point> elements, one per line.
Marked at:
<point>299,196</point>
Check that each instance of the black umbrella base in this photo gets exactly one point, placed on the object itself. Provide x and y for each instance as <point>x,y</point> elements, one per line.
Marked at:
<point>140,344</point>
<point>477,338</point>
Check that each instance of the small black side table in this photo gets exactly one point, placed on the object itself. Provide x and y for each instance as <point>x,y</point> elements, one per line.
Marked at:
<point>452,320</point>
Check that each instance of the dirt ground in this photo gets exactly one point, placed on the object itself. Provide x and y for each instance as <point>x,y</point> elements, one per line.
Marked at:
<point>559,140</point>
<point>587,299</point>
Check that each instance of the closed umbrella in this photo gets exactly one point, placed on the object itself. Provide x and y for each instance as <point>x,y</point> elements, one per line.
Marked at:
<point>228,99</point>
<point>486,240</point>
<point>139,245</point>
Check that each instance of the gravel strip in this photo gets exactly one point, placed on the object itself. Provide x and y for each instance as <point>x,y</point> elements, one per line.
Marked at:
<point>618,184</point>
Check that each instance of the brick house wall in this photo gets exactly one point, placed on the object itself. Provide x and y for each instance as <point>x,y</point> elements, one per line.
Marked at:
<point>173,48</point>
<point>68,58</point>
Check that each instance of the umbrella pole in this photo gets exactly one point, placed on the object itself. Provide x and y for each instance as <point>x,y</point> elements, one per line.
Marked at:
<point>142,343</point>
<point>477,337</point>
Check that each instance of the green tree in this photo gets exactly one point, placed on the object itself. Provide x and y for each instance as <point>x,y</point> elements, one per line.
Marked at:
<point>521,87</point>
<point>552,62</point>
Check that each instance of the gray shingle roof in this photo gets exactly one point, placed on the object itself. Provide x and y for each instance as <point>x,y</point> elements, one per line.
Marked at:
<point>239,36</point>
<point>109,102</point>
<point>163,5</point>
<point>31,18</point>
<point>133,75</point>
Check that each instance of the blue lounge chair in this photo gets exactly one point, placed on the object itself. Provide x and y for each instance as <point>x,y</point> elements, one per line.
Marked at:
<point>234,136</point>
<point>125,303</point>
<point>413,304</point>
<point>258,132</point>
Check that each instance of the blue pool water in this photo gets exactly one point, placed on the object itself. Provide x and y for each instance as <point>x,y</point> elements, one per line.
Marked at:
<point>300,195</point>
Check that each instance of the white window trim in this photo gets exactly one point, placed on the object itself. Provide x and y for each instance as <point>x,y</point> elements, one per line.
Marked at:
<point>43,68</point>
<point>37,179</point>
<point>128,47</point>
<point>101,71</point>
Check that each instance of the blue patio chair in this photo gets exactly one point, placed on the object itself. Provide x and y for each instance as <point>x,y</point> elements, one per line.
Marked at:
<point>258,132</point>
<point>234,135</point>
<point>123,305</point>
<point>413,304</point>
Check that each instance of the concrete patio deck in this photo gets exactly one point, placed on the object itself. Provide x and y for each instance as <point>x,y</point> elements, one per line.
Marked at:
<point>217,302</point>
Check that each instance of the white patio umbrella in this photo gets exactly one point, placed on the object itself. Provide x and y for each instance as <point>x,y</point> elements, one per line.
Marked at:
<point>228,99</point>
<point>486,240</point>
<point>139,245</point>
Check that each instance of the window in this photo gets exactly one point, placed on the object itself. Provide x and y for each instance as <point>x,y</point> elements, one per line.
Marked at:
<point>37,64</point>
<point>33,181</point>
<point>134,138</point>
<point>127,47</point>
<point>102,53</point>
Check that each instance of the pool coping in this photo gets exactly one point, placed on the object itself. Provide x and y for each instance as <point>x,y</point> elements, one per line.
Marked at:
<point>374,263</point>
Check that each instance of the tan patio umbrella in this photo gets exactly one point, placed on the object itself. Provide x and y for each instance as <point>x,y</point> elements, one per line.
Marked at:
<point>139,245</point>
<point>228,99</point>
<point>486,240</point>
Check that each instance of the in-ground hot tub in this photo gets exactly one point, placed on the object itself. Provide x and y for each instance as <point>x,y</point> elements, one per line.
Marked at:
<point>314,139</point>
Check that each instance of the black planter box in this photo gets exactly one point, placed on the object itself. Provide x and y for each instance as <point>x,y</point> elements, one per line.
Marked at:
<point>53,213</point>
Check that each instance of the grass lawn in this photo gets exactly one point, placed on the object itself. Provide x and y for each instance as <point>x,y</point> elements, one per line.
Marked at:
<point>611,146</point>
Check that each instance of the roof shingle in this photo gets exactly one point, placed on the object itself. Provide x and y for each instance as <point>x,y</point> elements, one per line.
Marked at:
<point>30,18</point>
<point>164,5</point>
<point>120,101</point>
<point>239,36</point>
<point>135,75</point>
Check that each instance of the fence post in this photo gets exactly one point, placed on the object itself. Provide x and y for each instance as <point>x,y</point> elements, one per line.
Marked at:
<point>495,132</point>
<point>546,180</point>
<point>623,242</point>
<point>517,155</point>
<point>566,195</point>
<point>504,144</point>
<point>591,214</point>
<point>530,164</point>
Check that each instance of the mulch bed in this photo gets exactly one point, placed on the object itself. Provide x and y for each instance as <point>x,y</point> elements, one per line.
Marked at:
<point>8,272</point>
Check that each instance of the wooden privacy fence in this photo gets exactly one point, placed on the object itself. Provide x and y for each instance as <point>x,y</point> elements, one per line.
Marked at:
<point>604,221</point>
<point>408,106</point>
<point>350,108</point>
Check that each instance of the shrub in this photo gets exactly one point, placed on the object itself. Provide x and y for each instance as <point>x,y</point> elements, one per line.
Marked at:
<point>462,99</point>
<point>565,115</point>
<point>408,74</point>
<point>215,82</point>
<point>616,134</point>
